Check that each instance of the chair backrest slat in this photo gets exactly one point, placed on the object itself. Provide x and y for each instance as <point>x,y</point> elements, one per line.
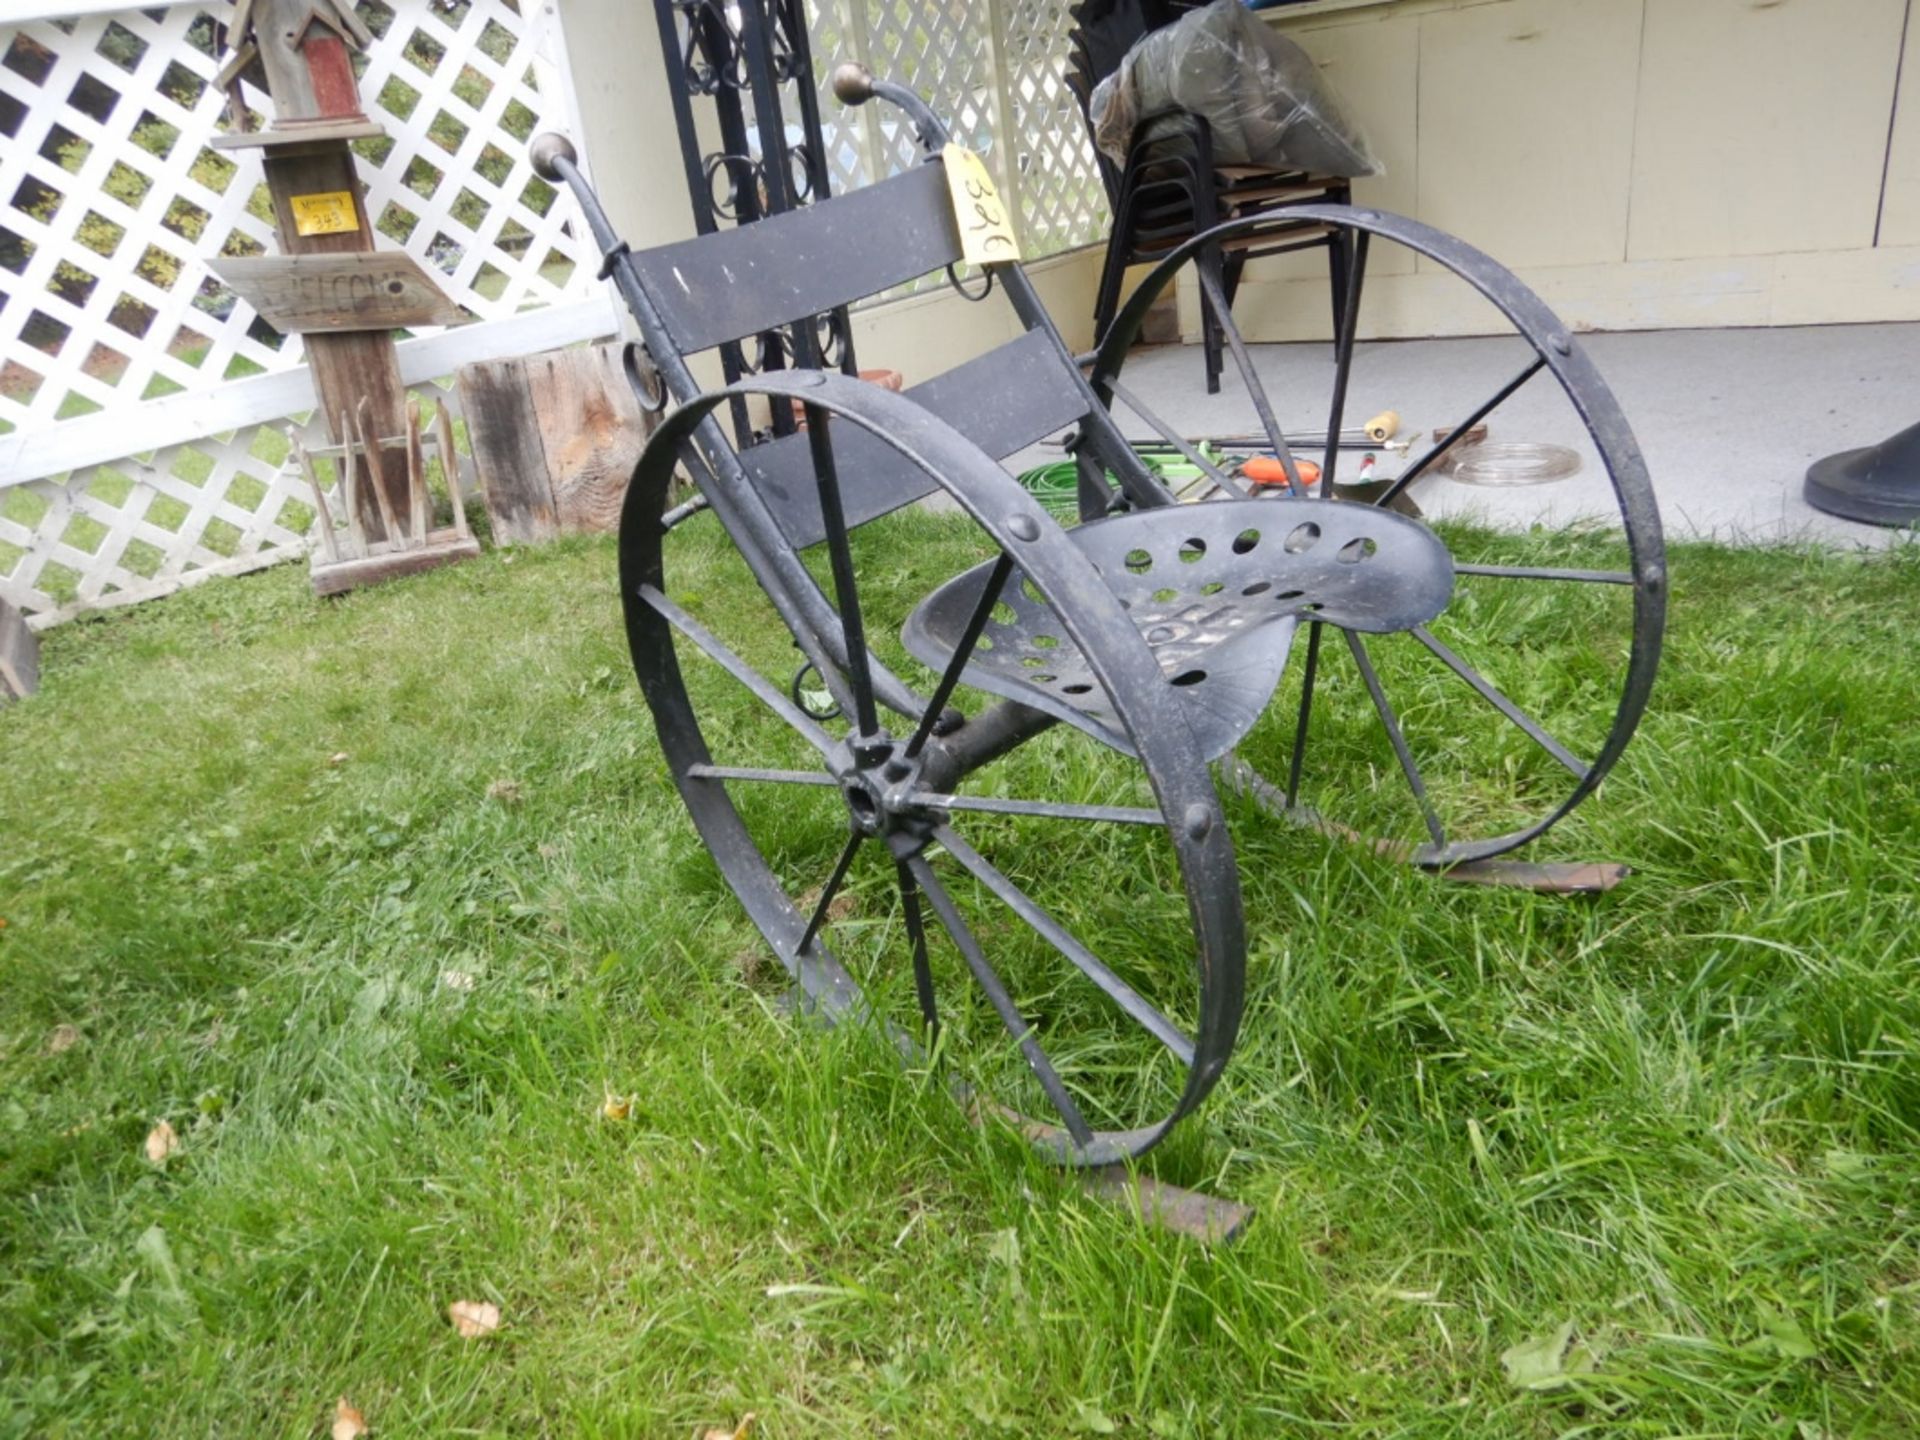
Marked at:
<point>735,283</point>
<point>1003,401</point>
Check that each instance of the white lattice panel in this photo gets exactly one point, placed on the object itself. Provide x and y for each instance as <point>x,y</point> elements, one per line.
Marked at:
<point>462,86</point>
<point>1062,200</point>
<point>995,72</point>
<point>110,197</point>
<point>139,527</point>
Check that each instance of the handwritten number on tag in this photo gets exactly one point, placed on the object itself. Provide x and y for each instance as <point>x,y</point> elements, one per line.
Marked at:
<point>985,232</point>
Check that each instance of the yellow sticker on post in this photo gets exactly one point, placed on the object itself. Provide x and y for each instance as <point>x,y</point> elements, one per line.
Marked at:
<point>332,213</point>
<point>986,229</point>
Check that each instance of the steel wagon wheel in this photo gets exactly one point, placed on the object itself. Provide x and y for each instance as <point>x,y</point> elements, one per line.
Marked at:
<point>1463,739</point>
<point>1105,1045</point>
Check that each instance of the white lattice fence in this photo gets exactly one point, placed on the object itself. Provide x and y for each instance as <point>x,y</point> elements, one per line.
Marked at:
<point>134,451</point>
<point>142,526</point>
<point>995,70</point>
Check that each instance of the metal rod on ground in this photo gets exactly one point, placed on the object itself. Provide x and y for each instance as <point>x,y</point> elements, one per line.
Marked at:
<point>1345,442</point>
<point>1251,442</point>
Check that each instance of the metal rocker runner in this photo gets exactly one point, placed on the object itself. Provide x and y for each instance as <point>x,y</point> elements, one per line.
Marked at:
<point>1025,760</point>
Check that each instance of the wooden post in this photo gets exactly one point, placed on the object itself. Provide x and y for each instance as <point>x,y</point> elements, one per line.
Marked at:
<point>298,50</point>
<point>385,507</point>
<point>450,465</point>
<point>350,486</point>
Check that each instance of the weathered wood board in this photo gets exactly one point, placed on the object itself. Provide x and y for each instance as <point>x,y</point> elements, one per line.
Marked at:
<point>363,290</point>
<point>592,429</point>
<point>554,439</point>
<point>503,435</point>
<point>19,656</point>
<point>443,547</point>
<point>298,132</point>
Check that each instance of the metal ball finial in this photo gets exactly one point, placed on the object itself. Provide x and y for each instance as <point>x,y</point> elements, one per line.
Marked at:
<point>546,150</point>
<point>852,83</point>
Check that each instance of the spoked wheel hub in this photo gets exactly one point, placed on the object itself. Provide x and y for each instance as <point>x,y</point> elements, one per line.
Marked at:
<point>880,781</point>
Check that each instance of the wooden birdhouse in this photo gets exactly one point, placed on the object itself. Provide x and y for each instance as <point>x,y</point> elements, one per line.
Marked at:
<point>301,53</point>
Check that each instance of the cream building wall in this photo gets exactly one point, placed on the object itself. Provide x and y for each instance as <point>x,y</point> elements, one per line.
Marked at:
<point>1641,163</point>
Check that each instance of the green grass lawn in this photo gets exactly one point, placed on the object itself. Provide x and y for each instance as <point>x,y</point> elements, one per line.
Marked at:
<point>256,852</point>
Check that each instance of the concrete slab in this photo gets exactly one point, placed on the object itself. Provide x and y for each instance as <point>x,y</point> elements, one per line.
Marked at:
<point>1729,420</point>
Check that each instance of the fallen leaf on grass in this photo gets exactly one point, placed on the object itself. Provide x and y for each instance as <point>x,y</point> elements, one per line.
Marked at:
<point>739,1432</point>
<point>1848,1165</point>
<point>474,1318</point>
<point>161,1142</point>
<point>456,979</point>
<point>1092,1420</point>
<point>507,792</point>
<point>153,1248</point>
<point>1547,1362</point>
<point>1782,1335</point>
<point>63,1039</point>
<point>348,1423</point>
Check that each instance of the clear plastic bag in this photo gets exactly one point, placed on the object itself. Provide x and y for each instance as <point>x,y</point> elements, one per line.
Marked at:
<point>1261,95</point>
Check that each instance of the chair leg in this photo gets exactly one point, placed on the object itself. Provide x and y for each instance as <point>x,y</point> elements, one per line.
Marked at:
<point>1212,337</point>
<point>1339,262</point>
<point>1107,299</point>
<point>1235,266</point>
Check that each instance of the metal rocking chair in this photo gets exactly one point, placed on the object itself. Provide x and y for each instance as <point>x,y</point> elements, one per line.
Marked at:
<point>1068,833</point>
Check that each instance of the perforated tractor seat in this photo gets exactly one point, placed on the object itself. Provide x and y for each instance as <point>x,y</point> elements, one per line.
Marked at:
<point>1217,591</point>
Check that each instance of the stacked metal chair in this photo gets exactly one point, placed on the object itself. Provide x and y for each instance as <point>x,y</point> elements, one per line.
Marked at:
<point>1170,187</point>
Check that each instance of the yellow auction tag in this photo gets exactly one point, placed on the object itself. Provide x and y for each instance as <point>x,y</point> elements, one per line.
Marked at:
<point>986,230</point>
<point>328,214</point>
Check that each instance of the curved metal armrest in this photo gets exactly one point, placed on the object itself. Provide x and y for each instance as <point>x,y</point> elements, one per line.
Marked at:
<point>557,162</point>
<point>855,84</point>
